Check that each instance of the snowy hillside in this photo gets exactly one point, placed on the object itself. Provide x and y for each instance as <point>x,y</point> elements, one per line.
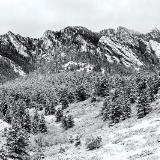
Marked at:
<point>129,140</point>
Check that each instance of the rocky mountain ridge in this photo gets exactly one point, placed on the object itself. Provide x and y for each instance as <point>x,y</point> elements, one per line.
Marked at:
<point>77,48</point>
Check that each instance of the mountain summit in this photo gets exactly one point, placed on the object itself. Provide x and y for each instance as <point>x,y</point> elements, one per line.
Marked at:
<point>77,48</point>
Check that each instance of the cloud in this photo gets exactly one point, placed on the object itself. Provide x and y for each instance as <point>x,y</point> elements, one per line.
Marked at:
<point>33,17</point>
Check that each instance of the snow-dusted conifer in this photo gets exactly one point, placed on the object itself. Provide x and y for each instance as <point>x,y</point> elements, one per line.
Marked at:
<point>42,125</point>
<point>35,123</point>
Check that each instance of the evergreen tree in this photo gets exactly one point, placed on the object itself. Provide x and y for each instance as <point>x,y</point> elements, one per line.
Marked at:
<point>116,107</point>
<point>125,102</point>
<point>26,122</point>
<point>102,88</point>
<point>50,109</point>
<point>141,85</point>
<point>81,94</point>
<point>65,103</point>
<point>42,125</point>
<point>150,94</point>
<point>67,122</point>
<point>19,108</point>
<point>116,112</point>
<point>107,109</point>
<point>4,108</point>
<point>47,110</point>
<point>143,107</point>
<point>17,142</point>
<point>8,116</point>
<point>112,111</point>
<point>59,115</point>
<point>64,98</point>
<point>71,97</point>
<point>35,123</point>
<point>126,109</point>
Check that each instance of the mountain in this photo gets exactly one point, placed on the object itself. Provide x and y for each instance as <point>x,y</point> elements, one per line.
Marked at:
<point>77,48</point>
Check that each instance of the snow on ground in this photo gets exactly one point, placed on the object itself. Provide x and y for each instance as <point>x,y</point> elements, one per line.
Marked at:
<point>84,46</point>
<point>83,66</point>
<point>3,125</point>
<point>47,43</point>
<point>18,69</point>
<point>70,63</point>
<point>109,58</point>
<point>133,139</point>
<point>155,47</point>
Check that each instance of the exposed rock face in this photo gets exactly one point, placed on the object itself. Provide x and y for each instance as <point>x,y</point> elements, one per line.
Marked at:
<point>80,46</point>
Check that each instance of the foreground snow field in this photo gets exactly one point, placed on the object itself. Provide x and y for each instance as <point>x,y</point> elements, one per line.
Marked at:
<point>133,139</point>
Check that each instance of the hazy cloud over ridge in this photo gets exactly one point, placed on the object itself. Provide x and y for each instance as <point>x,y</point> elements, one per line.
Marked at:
<point>33,17</point>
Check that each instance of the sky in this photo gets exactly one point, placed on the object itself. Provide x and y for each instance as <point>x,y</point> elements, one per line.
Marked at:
<point>33,17</point>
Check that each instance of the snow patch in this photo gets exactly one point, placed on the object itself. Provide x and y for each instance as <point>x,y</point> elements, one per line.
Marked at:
<point>47,44</point>
<point>155,47</point>
<point>103,70</point>
<point>3,125</point>
<point>84,47</point>
<point>18,70</point>
<point>89,68</point>
<point>70,63</point>
<point>109,58</point>
<point>63,54</point>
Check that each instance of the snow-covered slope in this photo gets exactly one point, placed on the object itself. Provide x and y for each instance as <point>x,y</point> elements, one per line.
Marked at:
<point>132,139</point>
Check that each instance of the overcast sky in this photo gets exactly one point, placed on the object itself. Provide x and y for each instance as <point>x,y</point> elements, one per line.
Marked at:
<point>33,17</point>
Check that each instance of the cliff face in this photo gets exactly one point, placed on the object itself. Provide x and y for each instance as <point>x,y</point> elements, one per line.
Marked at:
<point>79,48</point>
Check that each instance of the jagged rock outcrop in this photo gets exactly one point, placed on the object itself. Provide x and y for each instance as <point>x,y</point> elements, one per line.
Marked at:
<point>79,48</point>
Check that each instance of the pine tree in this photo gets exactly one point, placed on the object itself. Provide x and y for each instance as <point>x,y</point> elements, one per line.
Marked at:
<point>116,107</point>
<point>47,110</point>
<point>67,122</point>
<point>42,125</point>
<point>17,142</point>
<point>59,115</point>
<point>125,103</point>
<point>20,108</point>
<point>143,107</point>
<point>8,116</point>
<point>111,111</point>
<point>50,109</point>
<point>26,122</point>
<point>141,85</point>
<point>116,112</point>
<point>64,98</point>
<point>81,94</point>
<point>102,88</point>
<point>65,103</point>
<point>107,109</point>
<point>35,123</point>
